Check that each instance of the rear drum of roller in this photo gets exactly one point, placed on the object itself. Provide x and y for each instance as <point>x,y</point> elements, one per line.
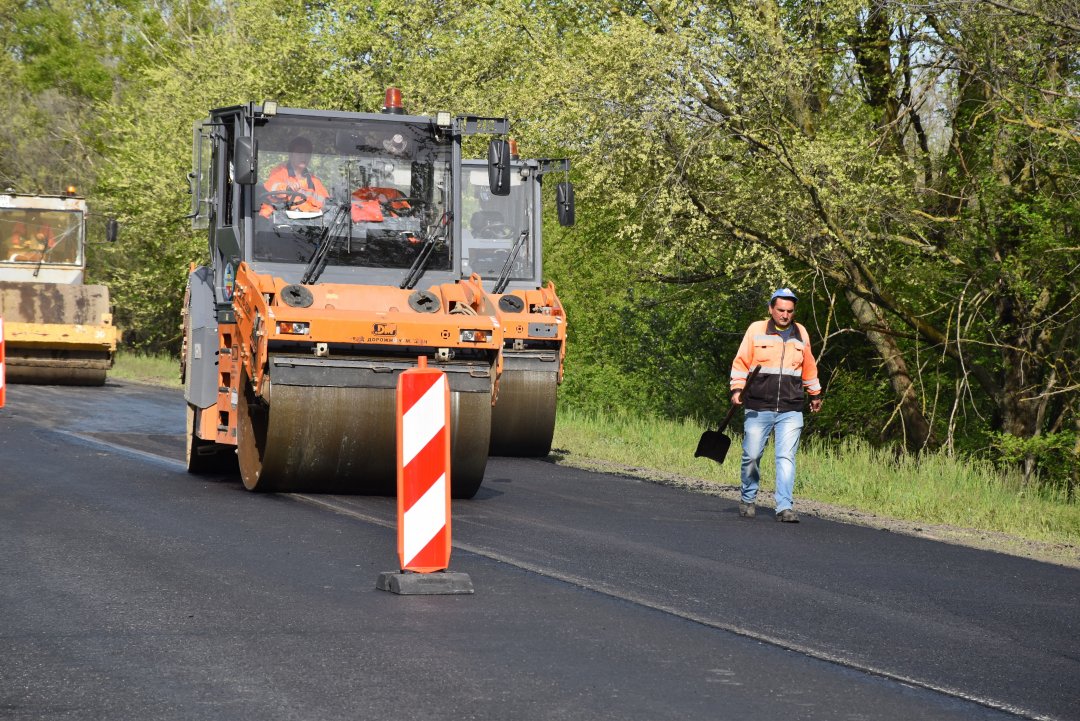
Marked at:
<point>523,420</point>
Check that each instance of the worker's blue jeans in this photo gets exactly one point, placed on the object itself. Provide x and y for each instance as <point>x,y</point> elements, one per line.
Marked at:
<point>757,427</point>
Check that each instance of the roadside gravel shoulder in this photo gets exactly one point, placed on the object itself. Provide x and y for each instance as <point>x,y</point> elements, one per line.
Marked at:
<point>1058,553</point>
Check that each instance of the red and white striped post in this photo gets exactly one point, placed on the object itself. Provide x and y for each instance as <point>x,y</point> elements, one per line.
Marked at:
<point>2,389</point>
<point>423,487</point>
<point>423,469</point>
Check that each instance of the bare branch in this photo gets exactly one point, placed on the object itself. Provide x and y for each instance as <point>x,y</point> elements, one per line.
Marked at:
<point>1038,16</point>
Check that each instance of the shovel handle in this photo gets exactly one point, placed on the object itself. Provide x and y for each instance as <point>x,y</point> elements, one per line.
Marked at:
<point>731,411</point>
<point>727,418</point>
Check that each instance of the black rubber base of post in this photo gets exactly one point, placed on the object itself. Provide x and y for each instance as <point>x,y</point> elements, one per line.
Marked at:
<point>440,583</point>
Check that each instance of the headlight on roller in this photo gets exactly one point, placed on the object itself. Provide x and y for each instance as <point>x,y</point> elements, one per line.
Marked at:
<point>474,336</point>
<point>285,327</point>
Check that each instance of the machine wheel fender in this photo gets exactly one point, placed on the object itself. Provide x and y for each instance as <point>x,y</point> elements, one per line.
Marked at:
<point>201,340</point>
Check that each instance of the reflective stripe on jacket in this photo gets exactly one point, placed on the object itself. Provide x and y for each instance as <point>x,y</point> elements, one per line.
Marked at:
<point>787,368</point>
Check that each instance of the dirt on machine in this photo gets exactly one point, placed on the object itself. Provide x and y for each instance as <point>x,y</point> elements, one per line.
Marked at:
<point>335,263</point>
<point>57,330</point>
<point>503,245</point>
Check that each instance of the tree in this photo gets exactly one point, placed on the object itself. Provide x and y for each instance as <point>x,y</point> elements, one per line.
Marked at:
<point>57,69</point>
<point>920,161</point>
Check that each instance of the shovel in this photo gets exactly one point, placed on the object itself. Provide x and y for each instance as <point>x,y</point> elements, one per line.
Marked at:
<point>714,444</point>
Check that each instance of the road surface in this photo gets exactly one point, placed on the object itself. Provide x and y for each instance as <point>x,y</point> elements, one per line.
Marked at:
<point>130,589</point>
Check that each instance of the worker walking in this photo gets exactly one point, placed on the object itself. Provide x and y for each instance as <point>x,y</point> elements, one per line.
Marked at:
<point>773,402</point>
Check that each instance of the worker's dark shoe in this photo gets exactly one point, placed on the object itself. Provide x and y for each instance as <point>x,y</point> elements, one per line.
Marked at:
<point>787,516</point>
<point>747,510</point>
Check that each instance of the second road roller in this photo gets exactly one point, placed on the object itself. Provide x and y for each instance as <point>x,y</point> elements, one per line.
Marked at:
<point>503,245</point>
<point>58,330</point>
<point>335,262</point>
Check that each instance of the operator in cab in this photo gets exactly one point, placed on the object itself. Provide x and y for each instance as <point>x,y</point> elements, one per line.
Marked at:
<point>378,196</point>
<point>30,239</point>
<point>291,185</point>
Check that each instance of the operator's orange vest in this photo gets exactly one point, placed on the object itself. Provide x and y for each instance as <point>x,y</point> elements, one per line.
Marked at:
<point>281,179</point>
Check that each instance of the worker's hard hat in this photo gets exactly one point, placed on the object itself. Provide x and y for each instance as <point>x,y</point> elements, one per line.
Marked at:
<point>784,293</point>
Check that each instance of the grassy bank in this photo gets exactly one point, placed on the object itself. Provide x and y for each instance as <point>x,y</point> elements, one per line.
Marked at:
<point>160,370</point>
<point>932,489</point>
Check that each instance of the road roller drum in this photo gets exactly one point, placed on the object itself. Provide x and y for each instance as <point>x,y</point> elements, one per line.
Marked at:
<point>342,440</point>
<point>523,420</point>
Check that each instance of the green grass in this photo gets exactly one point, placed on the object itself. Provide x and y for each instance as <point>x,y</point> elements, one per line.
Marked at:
<point>160,370</point>
<point>934,488</point>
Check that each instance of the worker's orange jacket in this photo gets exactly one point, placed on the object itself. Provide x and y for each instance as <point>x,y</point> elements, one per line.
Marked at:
<point>281,178</point>
<point>787,368</point>
<point>370,201</point>
<point>29,242</point>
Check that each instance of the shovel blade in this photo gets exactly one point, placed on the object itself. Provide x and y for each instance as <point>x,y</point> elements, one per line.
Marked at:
<point>714,445</point>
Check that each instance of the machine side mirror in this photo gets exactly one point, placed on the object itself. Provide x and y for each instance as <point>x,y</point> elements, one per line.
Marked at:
<point>245,170</point>
<point>564,203</point>
<point>112,230</point>
<point>499,167</point>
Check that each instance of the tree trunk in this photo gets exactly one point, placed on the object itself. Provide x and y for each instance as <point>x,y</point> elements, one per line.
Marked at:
<point>1019,415</point>
<point>918,433</point>
<point>1074,477</point>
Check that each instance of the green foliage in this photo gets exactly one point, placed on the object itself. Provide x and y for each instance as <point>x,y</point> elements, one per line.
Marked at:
<point>853,399</point>
<point>62,60</point>
<point>749,138</point>
<point>58,47</point>
<point>1053,455</point>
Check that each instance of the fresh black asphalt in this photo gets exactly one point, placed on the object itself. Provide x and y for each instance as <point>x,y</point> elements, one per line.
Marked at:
<point>129,589</point>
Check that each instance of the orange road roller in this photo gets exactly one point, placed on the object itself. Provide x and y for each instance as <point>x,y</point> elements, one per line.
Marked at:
<point>335,262</point>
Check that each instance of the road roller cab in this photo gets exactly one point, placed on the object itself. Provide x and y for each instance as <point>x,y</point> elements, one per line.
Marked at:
<point>502,244</point>
<point>334,241</point>
<point>57,330</point>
